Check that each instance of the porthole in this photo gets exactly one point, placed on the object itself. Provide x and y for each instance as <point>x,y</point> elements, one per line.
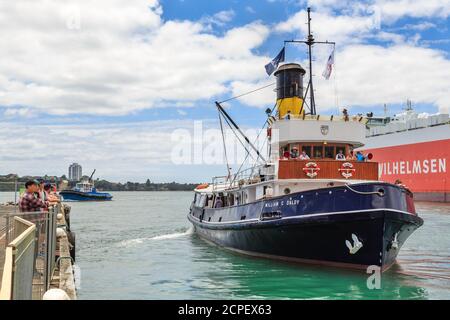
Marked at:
<point>381,192</point>
<point>287,191</point>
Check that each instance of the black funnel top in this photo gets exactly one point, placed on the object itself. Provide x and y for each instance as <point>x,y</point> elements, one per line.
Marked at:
<point>290,81</point>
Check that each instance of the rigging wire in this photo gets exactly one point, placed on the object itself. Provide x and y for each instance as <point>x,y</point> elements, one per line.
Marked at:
<point>247,93</point>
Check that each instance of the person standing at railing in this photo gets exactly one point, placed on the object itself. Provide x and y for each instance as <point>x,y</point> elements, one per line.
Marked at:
<point>50,195</point>
<point>351,156</point>
<point>294,153</point>
<point>340,155</point>
<point>288,115</point>
<point>304,156</point>
<point>360,157</point>
<point>29,202</point>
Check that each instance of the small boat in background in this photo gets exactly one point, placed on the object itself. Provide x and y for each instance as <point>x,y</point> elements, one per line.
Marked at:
<point>85,191</point>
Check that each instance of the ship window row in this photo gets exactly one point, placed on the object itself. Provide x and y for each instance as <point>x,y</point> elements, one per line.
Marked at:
<point>314,151</point>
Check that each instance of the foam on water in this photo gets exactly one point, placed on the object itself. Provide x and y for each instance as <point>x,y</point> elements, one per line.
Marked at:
<point>175,235</point>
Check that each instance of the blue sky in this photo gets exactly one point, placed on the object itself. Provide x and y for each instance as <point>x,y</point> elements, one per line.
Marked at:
<point>78,73</point>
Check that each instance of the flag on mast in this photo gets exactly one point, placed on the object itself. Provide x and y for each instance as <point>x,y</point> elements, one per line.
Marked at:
<point>329,68</point>
<point>273,65</point>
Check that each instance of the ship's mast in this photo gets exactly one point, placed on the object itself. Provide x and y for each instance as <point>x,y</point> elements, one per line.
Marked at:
<point>310,41</point>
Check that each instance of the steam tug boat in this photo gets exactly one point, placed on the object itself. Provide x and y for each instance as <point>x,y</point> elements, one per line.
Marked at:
<point>318,210</point>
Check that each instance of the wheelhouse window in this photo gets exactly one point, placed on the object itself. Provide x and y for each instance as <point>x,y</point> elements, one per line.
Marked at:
<point>322,151</point>
<point>329,152</point>
<point>317,152</point>
<point>202,201</point>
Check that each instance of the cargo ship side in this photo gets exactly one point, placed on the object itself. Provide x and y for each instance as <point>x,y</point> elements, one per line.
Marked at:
<point>414,149</point>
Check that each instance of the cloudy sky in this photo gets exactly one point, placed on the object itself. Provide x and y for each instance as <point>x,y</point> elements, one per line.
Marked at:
<point>106,83</point>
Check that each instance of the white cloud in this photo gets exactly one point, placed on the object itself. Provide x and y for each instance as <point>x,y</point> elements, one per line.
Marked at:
<point>392,10</point>
<point>115,57</point>
<point>327,26</point>
<point>369,75</point>
<point>117,150</point>
<point>263,98</point>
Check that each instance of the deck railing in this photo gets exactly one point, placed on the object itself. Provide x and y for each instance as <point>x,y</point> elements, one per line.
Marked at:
<point>17,280</point>
<point>353,118</point>
<point>251,175</point>
<point>327,169</point>
<point>16,264</point>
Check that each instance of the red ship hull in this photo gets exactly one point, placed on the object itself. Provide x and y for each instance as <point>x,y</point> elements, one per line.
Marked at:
<point>422,167</point>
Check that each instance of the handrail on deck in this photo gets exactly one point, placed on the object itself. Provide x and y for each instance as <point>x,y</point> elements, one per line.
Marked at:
<point>318,117</point>
<point>247,176</point>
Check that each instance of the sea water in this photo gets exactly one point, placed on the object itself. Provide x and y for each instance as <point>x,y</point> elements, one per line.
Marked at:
<point>141,246</point>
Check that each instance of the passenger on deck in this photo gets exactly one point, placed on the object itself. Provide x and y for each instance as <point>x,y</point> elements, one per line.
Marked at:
<point>29,202</point>
<point>345,114</point>
<point>360,156</point>
<point>286,154</point>
<point>304,156</point>
<point>288,115</point>
<point>219,202</point>
<point>340,156</point>
<point>351,156</point>
<point>294,153</point>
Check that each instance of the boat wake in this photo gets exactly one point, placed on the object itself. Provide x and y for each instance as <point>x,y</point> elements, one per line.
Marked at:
<point>175,235</point>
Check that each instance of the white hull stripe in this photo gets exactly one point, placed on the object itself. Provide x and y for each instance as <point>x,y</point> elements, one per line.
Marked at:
<point>300,216</point>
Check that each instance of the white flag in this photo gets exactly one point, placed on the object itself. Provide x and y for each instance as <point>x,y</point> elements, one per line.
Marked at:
<point>327,72</point>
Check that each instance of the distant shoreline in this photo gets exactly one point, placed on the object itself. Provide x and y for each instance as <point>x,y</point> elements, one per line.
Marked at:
<point>7,183</point>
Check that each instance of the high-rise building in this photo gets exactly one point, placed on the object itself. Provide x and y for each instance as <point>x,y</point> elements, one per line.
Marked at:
<point>75,172</point>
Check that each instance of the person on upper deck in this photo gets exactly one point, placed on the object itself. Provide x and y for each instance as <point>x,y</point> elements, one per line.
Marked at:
<point>304,156</point>
<point>294,153</point>
<point>345,114</point>
<point>340,155</point>
<point>351,156</point>
<point>29,202</point>
<point>288,115</point>
<point>360,156</point>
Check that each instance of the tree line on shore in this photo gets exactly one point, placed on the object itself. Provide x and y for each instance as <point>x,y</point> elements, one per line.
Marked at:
<point>8,183</point>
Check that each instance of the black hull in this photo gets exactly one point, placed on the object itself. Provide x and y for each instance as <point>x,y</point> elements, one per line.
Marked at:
<point>314,237</point>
